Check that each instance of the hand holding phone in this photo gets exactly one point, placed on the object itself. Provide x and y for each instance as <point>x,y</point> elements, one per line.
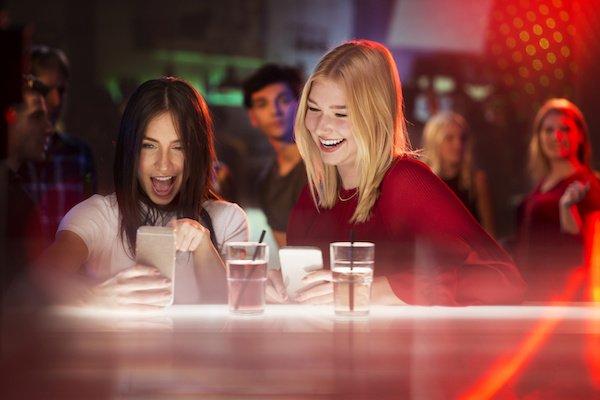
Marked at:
<point>296,263</point>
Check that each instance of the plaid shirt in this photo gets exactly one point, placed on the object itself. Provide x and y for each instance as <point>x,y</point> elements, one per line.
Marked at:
<point>64,179</point>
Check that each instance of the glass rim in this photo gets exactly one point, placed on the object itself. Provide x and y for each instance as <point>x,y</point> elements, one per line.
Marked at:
<point>352,244</point>
<point>255,244</point>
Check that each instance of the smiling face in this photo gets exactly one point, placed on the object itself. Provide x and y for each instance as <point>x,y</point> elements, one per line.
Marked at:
<point>161,164</point>
<point>560,137</point>
<point>452,146</point>
<point>329,125</point>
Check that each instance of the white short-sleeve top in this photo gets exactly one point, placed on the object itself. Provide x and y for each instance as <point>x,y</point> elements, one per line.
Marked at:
<point>96,222</point>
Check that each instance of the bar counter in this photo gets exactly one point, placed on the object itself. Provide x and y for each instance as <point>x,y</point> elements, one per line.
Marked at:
<point>294,352</point>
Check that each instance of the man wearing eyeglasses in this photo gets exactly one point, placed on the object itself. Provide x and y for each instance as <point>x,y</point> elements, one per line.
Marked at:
<point>67,176</point>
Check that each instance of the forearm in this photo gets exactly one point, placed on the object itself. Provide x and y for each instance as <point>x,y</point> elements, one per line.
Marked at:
<point>210,273</point>
<point>55,272</point>
<point>382,293</point>
<point>60,286</point>
<point>570,220</point>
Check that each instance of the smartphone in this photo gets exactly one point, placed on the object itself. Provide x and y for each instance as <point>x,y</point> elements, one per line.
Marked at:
<point>296,263</point>
<point>155,247</point>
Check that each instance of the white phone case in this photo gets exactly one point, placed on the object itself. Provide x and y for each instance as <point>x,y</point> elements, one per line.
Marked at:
<point>296,262</point>
<point>155,247</point>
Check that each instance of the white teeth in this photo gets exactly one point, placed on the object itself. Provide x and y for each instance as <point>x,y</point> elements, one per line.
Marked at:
<point>331,142</point>
<point>163,178</point>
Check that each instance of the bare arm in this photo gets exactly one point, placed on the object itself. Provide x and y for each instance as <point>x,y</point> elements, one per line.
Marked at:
<point>484,203</point>
<point>56,269</point>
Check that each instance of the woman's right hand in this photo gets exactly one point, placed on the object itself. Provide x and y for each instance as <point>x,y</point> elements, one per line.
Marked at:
<point>140,286</point>
<point>574,193</point>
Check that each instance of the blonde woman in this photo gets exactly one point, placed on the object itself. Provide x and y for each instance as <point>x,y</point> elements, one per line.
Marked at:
<point>351,133</point>
<point>566,191</point>
<point>447,150</point>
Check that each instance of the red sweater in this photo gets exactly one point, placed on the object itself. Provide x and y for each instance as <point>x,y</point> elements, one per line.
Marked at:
<point>546,255</point>
<point>428,246</point>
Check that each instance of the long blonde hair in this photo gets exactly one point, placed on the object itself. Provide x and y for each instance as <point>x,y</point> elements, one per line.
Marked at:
<point>433,135</point>
<point>367,72</point>
<point>539,164</point>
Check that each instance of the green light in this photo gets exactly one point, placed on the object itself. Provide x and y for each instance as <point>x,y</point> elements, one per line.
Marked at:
<point>195,58</point>
<point>112,86</point>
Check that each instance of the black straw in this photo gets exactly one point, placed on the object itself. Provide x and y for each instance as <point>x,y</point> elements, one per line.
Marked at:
<point>249,273</point>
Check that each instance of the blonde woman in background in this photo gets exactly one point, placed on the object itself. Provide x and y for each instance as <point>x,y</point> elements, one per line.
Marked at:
<point>447,149</point>
<point>566,191</point>
<point>363,179</point>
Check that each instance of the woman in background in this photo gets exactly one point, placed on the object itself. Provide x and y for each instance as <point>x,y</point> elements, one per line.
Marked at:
<point>447,149</point>
<point>162,172</point>
<point>566,191</point>
<point>363,179</point>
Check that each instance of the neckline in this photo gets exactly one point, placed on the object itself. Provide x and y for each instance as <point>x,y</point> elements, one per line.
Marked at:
<point>559,182</point>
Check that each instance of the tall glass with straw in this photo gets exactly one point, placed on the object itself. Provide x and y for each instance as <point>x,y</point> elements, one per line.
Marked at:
<point>352,268</point>
<point>247,276</point>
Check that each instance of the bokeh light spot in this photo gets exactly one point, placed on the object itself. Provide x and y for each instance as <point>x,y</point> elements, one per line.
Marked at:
<point>558,73</point>
<point>558,37</point>
<point>529,88</point>
<point>524,72</point>
<point>517,56</point>
<point>530,49</point>
<point>518,23</point>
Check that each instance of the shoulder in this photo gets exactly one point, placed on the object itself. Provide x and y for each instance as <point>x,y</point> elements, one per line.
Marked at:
<point>104,204</point>
<point>221,210</point>
<point>408,170</point>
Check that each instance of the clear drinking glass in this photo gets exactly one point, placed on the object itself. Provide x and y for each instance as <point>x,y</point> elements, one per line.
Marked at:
<point>246,276</point>
<point>352,268</point>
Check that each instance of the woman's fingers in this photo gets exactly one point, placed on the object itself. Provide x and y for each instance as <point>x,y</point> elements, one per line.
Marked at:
<point>188,234</point>
<point>157,297</point>
<point>144,282</point>
<point>324,299</point>
<point>317,276</point>
<point>140,285</point>
<point>311,293</point>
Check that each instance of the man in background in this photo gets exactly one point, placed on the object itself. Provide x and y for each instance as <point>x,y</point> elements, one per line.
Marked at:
<point>28,130</point>
<point>271,98</point>
<point>67,175</point>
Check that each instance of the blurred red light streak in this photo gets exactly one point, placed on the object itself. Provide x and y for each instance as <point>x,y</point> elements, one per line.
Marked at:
<point>506,367</point>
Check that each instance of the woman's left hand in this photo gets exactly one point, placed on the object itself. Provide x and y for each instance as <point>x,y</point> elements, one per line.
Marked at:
<point>318,288</point>
<point>189,234</point>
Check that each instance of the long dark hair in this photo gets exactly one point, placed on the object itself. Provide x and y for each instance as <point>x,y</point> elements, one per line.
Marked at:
<point>194,128</point>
